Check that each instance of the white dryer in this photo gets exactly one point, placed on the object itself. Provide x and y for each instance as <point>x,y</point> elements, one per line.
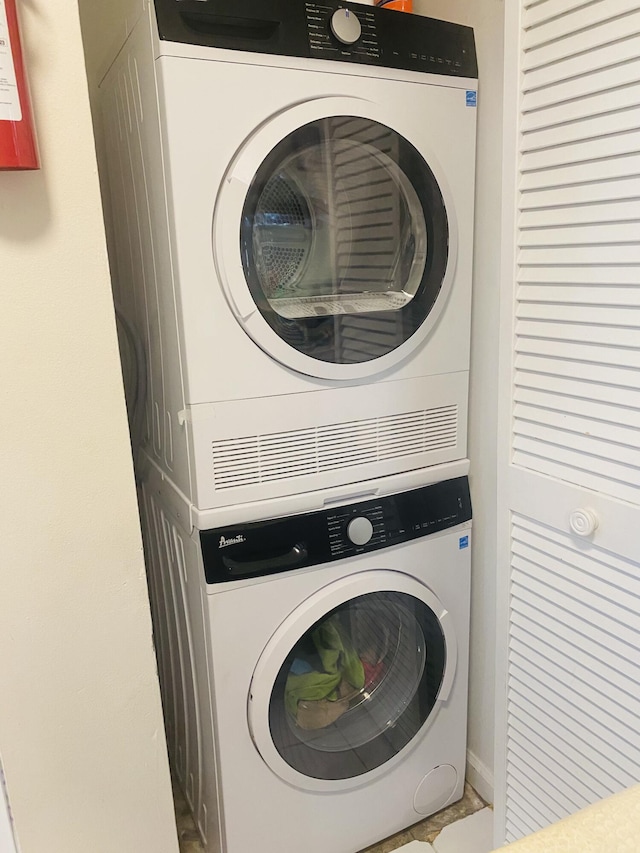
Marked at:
<point>292,189</point>
<point>314,666</point>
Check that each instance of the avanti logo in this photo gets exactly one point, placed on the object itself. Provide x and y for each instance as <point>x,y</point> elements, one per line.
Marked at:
<point>235,540</point>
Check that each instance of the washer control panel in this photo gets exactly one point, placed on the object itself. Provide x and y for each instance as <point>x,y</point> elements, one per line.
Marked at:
<point>399,518</point>
<point>284,544</point>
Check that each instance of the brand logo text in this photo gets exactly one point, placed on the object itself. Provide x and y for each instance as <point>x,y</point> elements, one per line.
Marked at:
<point>234,540</point>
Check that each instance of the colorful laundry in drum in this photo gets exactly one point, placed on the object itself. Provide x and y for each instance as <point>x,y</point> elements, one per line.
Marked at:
<point>328,676</point>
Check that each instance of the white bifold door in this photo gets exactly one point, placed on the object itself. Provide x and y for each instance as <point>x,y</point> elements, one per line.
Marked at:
<point>568,729</point>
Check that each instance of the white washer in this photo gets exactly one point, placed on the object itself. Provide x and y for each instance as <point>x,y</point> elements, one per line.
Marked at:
<point>292,229</point>
<point>315,690</point>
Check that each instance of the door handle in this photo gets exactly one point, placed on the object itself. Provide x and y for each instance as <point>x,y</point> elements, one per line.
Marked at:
<point>295,557</point>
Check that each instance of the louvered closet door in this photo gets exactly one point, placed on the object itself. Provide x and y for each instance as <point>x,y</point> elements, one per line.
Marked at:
<point>568,728</point>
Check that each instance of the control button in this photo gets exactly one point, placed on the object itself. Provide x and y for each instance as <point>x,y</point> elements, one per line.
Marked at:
<point>360,530</point>
<point>345,26</point>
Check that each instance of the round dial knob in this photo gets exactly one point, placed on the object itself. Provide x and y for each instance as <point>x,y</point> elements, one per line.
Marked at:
<point>360,530</point>
<point>345,26</point>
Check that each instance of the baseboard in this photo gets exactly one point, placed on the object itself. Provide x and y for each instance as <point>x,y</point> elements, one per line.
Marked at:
<point>480,777</point>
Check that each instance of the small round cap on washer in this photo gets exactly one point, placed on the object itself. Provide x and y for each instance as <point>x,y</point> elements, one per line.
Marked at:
<point>345,26</point>
<point>360,530</point>
<point>436,789</point>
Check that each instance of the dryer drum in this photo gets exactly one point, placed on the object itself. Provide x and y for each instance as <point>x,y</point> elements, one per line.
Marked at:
<point>344,239</point>
<point>283,257</point>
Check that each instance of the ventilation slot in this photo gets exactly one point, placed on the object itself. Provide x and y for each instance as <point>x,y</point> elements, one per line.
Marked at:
<point>258,459</point>
<point>402,435</point>
<point>236,462</point>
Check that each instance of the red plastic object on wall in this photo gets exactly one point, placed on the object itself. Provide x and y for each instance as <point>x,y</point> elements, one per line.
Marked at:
<point>17,138</point>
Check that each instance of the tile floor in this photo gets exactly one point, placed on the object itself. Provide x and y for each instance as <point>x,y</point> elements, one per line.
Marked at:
<point>428,830</point>
<point>187,832</point>
<point>472,834</point>
<point>464,827</point>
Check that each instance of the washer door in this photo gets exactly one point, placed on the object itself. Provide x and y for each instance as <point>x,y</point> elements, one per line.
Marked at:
<point>350,680</point>
<point>335,239</point>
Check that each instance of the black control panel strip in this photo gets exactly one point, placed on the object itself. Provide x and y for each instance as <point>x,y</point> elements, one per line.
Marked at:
<point>263,548</point>
<point>329,29</point>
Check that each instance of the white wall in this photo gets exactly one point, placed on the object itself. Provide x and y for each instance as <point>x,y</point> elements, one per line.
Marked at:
<point>81,731</point>
<point>487,19</point>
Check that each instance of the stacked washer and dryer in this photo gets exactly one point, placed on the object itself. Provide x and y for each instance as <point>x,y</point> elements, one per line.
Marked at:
<point>290,207</point>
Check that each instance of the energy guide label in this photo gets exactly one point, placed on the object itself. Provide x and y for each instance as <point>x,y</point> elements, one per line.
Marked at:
<point>10,109</point>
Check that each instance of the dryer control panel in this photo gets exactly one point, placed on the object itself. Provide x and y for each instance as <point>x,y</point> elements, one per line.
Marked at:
<point>322,29</point>
<point>284,544</point>
<point>342,31</point>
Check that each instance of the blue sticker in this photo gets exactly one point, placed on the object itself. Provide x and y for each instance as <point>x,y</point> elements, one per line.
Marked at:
<point>472,98</point>
<point>463,542</point>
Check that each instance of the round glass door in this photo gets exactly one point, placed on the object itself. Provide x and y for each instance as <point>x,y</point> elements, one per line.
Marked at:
<point>344,240</point>
<point>357,686</point>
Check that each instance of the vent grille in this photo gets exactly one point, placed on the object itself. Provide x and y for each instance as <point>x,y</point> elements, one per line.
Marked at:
<point>574,652</point>
<point>578,300</point>
<point>256,459</point>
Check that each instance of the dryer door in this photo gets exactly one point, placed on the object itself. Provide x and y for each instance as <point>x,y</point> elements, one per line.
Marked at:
<point>351,679</point>
<point>335,239</point>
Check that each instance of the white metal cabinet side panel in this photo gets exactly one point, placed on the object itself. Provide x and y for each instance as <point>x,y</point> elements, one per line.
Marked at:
<point>164,627</point>
<point>139,238</point>
<point>568,631</point>
<point>161,643</point>
<point>211,332</point>
<point>175,458</point>
<point>182,655</point>
<point>164,543</point>
<point>128,282</point>
<point>142,247</point>
<point>176,581</point>
<point>204,801</point>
